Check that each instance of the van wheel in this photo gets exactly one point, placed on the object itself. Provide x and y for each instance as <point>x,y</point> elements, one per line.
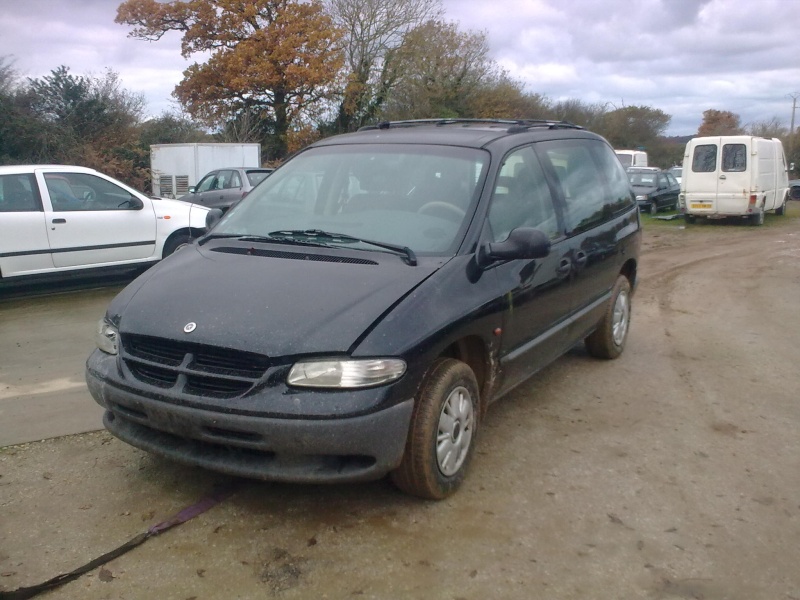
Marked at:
<point>757,218</point>
<point>690,219</point>
<point>781,210</point>
<point>442,434</point>
<point>608,340</point>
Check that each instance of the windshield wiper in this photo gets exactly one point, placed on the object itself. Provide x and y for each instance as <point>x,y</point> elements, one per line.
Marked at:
<point>343,238</point>
<point>244,237</point>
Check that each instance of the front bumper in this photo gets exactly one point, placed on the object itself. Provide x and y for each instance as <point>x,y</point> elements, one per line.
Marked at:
<point>293,449</point>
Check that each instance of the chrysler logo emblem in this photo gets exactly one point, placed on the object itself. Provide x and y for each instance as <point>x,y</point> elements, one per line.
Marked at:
<point>190,327</point>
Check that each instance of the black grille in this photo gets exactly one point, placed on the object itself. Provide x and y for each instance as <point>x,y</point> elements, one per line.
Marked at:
<point>193,369</point>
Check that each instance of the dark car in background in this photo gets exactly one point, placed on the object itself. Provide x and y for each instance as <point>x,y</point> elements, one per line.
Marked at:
<point>380,289</point>
<point>655,189</point>
<point>794,189</point>
<point>222,188</point>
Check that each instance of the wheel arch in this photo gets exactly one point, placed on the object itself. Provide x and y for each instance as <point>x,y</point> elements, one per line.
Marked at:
<point>472,351</point>
<point>629,271</point>
<point>192,232</point>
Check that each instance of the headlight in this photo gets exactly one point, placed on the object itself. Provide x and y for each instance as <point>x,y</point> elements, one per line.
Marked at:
<point>642,198</point>
<point>346,373</point>
<point>107,337</point>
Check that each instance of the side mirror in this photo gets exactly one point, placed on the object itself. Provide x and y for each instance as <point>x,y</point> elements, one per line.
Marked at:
<point>133,203</point>
<point>212,216</point>
<point>192,190</point>
<point>521,243</point>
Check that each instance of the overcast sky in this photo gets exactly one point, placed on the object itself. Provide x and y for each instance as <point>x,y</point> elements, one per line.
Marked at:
<point>679,56</point>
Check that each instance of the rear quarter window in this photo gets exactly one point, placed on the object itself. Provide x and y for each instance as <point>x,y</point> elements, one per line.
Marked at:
<point>594,184</point>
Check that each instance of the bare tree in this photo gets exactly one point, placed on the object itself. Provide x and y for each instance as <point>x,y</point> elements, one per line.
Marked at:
<point>374,30</point>
<point>768,129</point>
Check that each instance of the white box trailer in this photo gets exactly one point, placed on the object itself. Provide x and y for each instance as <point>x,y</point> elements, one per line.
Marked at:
<point>734,176</point>
<point>632,158</point>
<point>177,167</point>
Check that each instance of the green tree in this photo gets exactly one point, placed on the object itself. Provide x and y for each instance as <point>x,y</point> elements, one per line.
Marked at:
<point>633,126</point>
<point>374,31</point>
<point>270,60</point>
<point>440,72</point>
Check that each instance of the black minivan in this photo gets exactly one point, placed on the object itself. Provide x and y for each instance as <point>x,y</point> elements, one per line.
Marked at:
<point>357,312</point>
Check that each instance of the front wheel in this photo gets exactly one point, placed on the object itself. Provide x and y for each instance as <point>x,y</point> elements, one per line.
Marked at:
<point>653,208</point>
<point>176,242</point>
<point>781,210</point>
<point>442,434</point>
<point>608,340</point>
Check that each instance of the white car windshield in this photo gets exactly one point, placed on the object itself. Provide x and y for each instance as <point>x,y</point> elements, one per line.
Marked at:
<point>415,196</point>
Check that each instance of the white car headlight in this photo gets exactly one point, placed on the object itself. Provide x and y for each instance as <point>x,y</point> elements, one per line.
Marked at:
<point>345,373</point>
<point>642,197</point>
<point>107,337</point>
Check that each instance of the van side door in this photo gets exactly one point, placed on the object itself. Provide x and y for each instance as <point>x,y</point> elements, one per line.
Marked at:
<point>535,292</point>
<point>600,219</point>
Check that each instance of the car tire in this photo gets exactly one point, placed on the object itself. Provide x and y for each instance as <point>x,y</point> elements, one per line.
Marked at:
<point>442,434</point>
<point>174,243</point>
<point>781,210</point>
<point>757,218</point>
<point>653,208</point>
<point>690,219</point>
<point>608,340</point>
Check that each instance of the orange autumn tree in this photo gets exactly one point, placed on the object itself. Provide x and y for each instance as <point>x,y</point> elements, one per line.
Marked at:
<point>271,62</point>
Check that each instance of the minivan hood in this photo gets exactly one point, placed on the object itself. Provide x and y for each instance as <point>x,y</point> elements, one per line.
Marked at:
<point>292,301</point>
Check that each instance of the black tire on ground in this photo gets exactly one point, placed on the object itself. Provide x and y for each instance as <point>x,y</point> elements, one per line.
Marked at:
<point>653,208</point>
<point>757,219</point>
<point>781,210</point>
<point>690,219</point>
<point>441,437</point>
<point>608,340</point>
<point>174,243</point>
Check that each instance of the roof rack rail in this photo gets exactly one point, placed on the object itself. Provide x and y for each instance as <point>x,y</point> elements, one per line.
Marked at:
<point>514,125</point>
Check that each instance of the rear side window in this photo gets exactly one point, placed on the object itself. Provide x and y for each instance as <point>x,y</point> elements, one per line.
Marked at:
<point>705,158</point>
<point>19,193</point>
<point>734,158</point>
<point>594,183</point>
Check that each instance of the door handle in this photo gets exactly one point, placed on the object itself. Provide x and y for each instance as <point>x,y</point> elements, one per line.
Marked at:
<point>722,176</point>
<point>580,259</point>
<point>564,268</point>
<point>59,220</point>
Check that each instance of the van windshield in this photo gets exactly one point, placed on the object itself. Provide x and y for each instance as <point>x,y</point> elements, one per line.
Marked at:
<point>418,196</point>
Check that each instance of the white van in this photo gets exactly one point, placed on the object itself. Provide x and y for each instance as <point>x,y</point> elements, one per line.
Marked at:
<point>733,176</point>
<point>632,158</point>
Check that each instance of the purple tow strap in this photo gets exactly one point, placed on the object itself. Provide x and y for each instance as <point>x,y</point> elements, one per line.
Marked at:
<point>190,512</point>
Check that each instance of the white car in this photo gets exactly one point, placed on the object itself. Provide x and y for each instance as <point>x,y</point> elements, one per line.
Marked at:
<point>56,218</point>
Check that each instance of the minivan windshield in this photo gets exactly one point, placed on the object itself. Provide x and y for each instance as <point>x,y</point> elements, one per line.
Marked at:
<point>415,196</point>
